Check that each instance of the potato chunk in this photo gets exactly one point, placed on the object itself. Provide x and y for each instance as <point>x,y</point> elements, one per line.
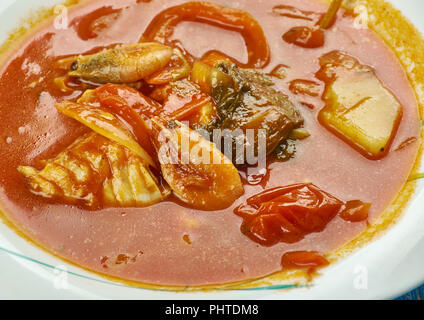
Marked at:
<point>358,107</point>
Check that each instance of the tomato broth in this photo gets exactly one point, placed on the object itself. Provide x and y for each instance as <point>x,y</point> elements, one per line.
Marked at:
<point>169,243</point>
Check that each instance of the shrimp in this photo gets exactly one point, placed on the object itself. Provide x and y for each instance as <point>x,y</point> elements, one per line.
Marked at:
<point>123,64</point>
<point>197,172</point>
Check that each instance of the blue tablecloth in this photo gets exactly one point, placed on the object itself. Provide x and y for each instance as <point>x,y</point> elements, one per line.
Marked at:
<point>417,294</point>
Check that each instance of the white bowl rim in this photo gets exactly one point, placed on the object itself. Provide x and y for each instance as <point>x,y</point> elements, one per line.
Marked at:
<point>391,263</point>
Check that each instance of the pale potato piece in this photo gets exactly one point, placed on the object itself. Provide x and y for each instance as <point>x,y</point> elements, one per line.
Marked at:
<point>361,109</point>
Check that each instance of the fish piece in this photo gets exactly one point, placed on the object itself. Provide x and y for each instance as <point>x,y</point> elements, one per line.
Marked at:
<point>123,64</point>
<point>198,173</point>
<point>253,103</point>
<point>96,172</point>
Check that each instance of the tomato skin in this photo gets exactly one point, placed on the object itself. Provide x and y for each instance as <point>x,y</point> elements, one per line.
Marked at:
<point>137,110</point>
<point>303,260</point>
<point>307,87</point>
<point>287,214</point>
<point>115,94</point>
<point>355,211</point>
<point>270,229</point>
<point>306,37</point>
<point>131,106</point>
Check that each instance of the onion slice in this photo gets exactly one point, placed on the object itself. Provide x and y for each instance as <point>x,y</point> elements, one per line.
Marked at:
<point>106,124</point>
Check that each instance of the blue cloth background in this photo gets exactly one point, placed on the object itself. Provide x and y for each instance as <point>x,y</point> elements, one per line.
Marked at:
<point>417,294</point>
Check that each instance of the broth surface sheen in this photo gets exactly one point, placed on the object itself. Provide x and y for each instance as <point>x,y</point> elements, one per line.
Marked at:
<point>169,244</point>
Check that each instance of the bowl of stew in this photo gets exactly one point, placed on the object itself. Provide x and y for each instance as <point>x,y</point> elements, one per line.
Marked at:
<point>219,149</point>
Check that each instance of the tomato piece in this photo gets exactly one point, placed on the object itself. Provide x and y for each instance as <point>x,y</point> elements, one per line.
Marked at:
<point>355,211</point>
<point>406,143</point>
<point>300,86</point>
<point>184,101</point>
<point>306,37</point>
<point>303,260</point>
<point>162,27</point>
<point>107,124</point>
<point>295,13</point>
<point>191,111</point>
<point>91,25</point>
<point>270,229</point>
<point>147,108</point>
<point>139,127</point>
<point>133,108</point>
<point>280,71</point>
<point>287,214</point>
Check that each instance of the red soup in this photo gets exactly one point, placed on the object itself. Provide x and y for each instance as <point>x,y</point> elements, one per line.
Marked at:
<point>83,109</point>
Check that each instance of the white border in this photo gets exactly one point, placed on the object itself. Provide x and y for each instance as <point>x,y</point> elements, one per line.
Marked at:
<point>393,263</point>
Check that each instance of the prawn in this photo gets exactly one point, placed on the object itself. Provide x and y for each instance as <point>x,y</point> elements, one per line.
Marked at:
<point>122,64</point>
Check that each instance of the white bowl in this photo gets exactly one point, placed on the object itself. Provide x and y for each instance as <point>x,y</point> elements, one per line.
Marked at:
<point>383,269</point>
